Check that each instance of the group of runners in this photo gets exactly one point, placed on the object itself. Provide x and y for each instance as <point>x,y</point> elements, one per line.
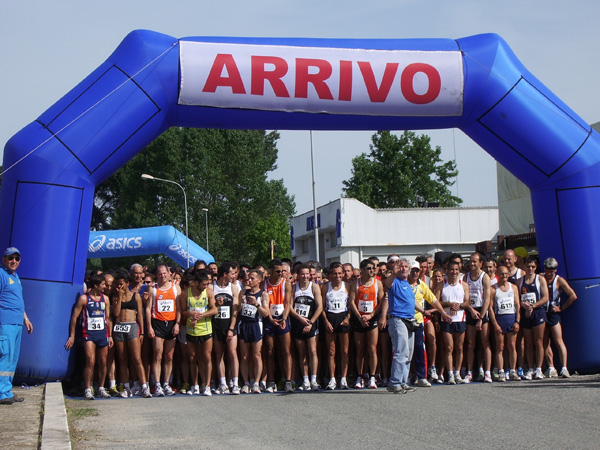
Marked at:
<point>233,329</point>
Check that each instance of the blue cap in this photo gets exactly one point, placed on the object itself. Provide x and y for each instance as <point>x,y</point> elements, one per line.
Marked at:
<point>11,251</point>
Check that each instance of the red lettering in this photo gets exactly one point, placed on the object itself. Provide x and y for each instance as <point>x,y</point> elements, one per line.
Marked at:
<point>408,90</point>
<point>216,79</point>
<point>378,94</point>
<point>316,79</point>
<point>345,93</point>
<point>260,75</point>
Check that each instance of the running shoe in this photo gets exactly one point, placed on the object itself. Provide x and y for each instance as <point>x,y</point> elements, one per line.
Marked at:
<point>185,387</point>
<point>146,392</point>
<point>495,375</point>
<point>513,376</point>
<point>88,394</point>
<point>246,389</point>
<point>256,389</point>
<point>344,385</point>
<point>235,390</point>
<point>451,379</point>
<point>331,385</point>
<point>305,386</point>
<point>458,378</point>
<point>102,393</point>
<point>407,389</point>
<point>538,375</point>
<point>360,383</point>
<point>263,386</point>
<point>168,390</point>
<point>272,387</point>
<point>372,383</point>
<point>158,391</point>
<point>440,379</point>
<point>207,391</point>
<point>114,392</point>
<point>136,390</point>
<point>487,378</point>
<point>502,377</point>
<point>528,375</point>
<point>433,376</point>
<point>467,379</point>
<point>422,382</point>
<point>551,373</point>
<point>394,388</point>
<point>288,387</point>
<point>314,386</point>
<point>222,389</point>
<point>126,393</point>
<point>480,376</point>
<point>564,373</point>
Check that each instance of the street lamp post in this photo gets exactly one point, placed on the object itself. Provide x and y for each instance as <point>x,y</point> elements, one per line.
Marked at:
<point>145,176</point>
<point>206,214</point>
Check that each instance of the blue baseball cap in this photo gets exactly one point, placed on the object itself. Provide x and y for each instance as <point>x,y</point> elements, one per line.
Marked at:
<point>11,251</point>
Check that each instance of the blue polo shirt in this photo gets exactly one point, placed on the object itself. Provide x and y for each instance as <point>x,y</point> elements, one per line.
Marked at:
<point>12,307</point>
<point>401,299</point>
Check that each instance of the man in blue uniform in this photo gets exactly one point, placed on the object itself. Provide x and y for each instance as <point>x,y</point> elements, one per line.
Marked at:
<point>12,318</point>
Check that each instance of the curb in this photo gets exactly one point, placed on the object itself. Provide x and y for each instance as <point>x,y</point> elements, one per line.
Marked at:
<point>55,429</point>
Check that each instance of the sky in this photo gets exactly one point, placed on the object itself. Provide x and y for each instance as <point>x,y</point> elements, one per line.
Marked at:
<point>49,47</point>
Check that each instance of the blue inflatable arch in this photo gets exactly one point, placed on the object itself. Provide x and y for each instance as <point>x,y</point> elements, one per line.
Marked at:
<point>153,81</point>
<point>147,241</point>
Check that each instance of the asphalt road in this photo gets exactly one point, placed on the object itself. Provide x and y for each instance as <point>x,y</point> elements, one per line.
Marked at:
<point>552,413</point>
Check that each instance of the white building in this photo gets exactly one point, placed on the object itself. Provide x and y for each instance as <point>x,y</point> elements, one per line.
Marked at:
<point>350,231</point>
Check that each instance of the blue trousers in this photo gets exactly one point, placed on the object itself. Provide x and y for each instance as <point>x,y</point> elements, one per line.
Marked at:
<point>10,347</point>
<point>402,348</point>
<point>419,353</point>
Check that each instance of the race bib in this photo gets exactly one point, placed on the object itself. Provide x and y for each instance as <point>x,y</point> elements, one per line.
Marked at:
<point>249,311</point>
<point>165,305</point>
<point>223,312</point>
<point>276,310</point>
<point>365,306</point>
<point>335,305</point>
<point>95,323</point>
<point>302,310</point>
<point>506,305</point>
<point>475,299</point>
<point>199,310</point>
<point>120,328</point>
<point>528,298</point>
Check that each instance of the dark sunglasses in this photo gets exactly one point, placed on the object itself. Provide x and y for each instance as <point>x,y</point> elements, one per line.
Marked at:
<point>14,258</point>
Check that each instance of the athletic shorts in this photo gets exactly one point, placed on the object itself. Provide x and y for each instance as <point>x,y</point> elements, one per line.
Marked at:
<point>473,322</point>
<point>506,322</point>
<point>182,333</point>
<point>198,339</point>
<point>163,329</point>
<point>125,331</point>
<point>273,330</point>
<point>100,341</point>
<point>220,334</point>
<point>552,318</point>
<point>297,328</point>
<point>250,332</point>
<point>453,327</point>
<point>538,317</point>
<point>336,319</point>
<point>357,327</point>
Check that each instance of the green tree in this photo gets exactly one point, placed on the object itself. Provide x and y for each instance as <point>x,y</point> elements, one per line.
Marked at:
<point>400,169</point>
<point>224,171</point>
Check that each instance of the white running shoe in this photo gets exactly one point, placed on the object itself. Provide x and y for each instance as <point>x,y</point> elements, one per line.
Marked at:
<point>513,376</point>
<point>564,373</point>
<point>538,375</point>
<point>451,379</point>
<point>146,392</point>
<point>360,383</point>
<point>433,376</point>
<point>422,382</point>
<point>136,390</point>
<point>235,390</point>
<point>331,385</point>
<point>344,385</point>
<point>158,391</point>
<point>102,393</point>
<point>467,379</point>
<point>458,378</point>
<point>124,393</point>
<point>372,383</point>
<point>207,391</point>
<point>305,386</point>
<point>168,390</point>
<point>314,386</point>
<point>502,376</point>
<point>528,375</point>
<point>246,389</point>
<point>88,394</point>
<point>256,389</point>
<point>487,378</point>
<point>551,373</point>
<point>221,390</point>
<point>272,387</point>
